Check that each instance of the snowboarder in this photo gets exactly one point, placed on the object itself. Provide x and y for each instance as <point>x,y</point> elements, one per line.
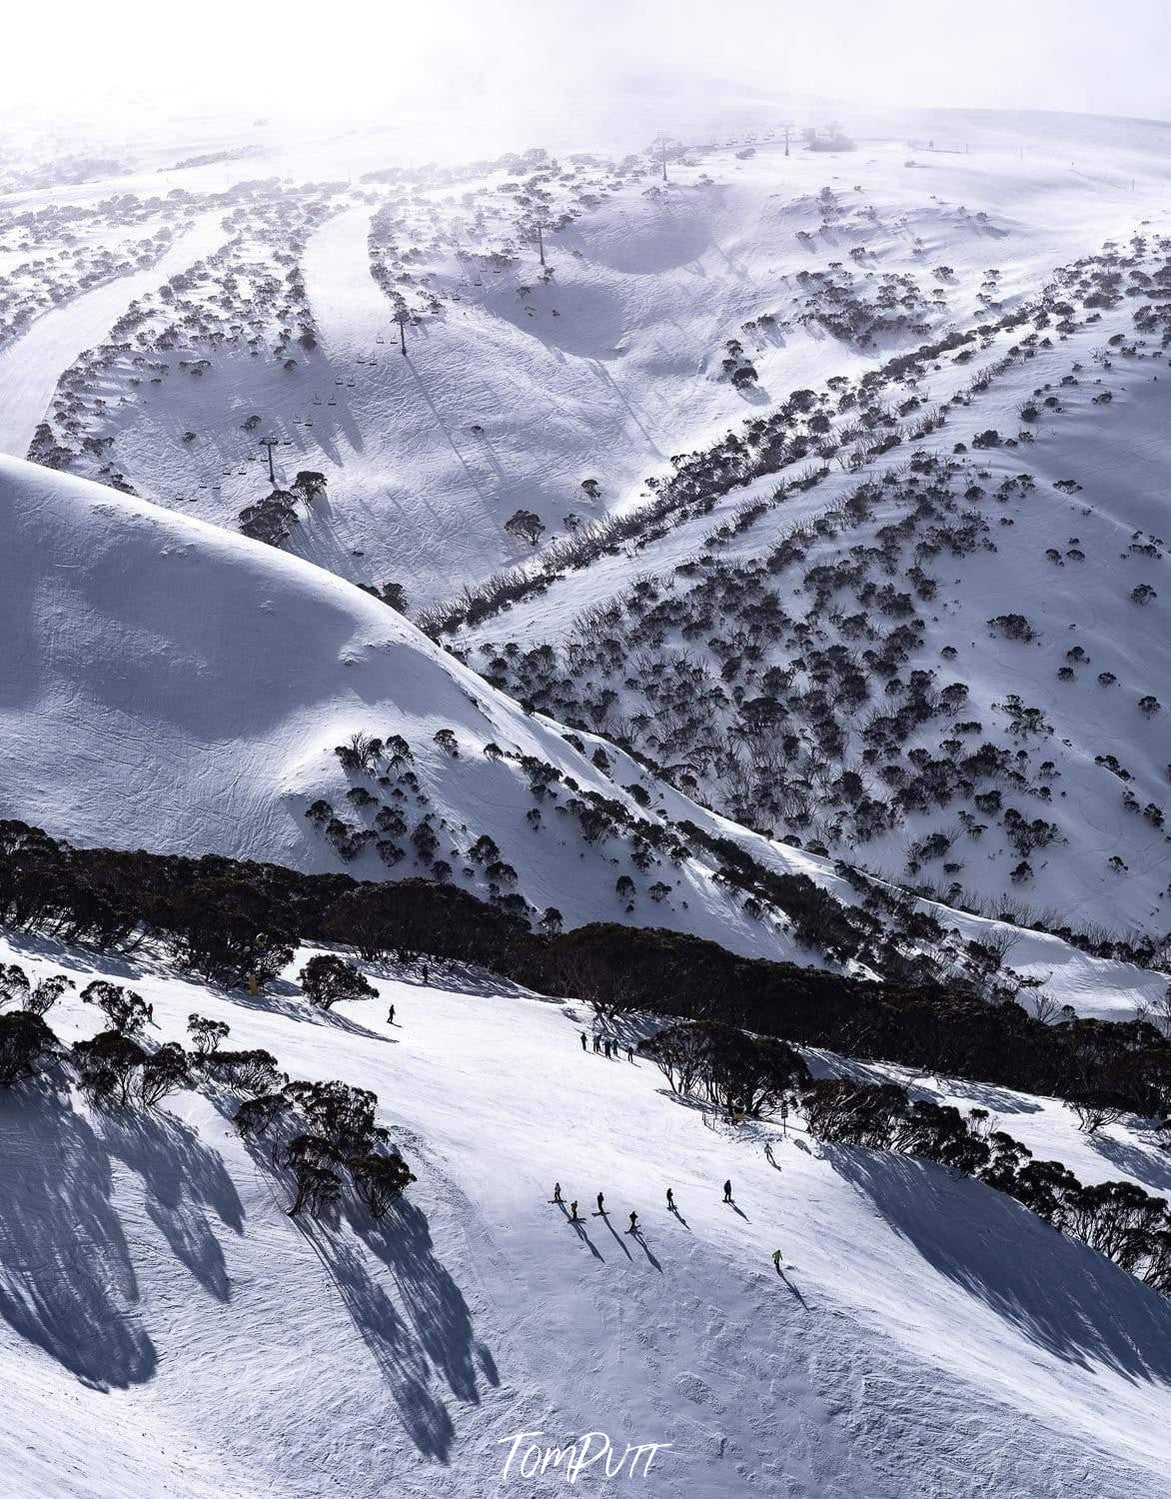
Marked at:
<point>390,1016</point>
<point>584,1047</point>
<point>601,1200</point>
<point>633,1229</point>
<point>556,1191</point>
<point>728,1191</point>
<point>777,1260</point>
<point>573,1218</point>
<point>597,1043</point>
<point>670,1200</point>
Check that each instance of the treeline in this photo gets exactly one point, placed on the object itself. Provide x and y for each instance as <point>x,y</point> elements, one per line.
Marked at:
<point>321,1132</point>
<point>1117,1218</point>
<point>234,923</point>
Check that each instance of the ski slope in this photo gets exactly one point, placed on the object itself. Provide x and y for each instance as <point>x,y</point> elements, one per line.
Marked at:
<point>168,685</point>
<point>516,390</point>
<point>30,367</point>
<point>156,1302</point>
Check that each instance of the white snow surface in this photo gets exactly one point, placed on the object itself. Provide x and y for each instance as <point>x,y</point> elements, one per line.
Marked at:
<point>168,685</point>
<point>165,1328</point>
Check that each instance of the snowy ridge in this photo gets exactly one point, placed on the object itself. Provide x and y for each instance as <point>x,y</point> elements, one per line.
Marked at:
<point>174,687</point>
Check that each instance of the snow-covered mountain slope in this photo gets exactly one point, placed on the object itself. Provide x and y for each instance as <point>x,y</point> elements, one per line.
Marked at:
<point>522,381</point>
<point>756,666</point>
<point>168,685</point>
<point>944,661</point>
<point>165,1327</point>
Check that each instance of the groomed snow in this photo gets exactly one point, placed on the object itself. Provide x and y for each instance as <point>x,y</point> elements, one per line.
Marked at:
<point>165,1328</point>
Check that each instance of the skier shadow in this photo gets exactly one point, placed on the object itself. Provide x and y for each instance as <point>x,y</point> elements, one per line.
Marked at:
<point>636,1235</point>
<point>67,1275</point>
<point>422,1339</point>
<point>792,1289</point>
<point>1064,1297</point>
<point>605,1217</point>
<point>675,1213</point>
<point>578,1226</point>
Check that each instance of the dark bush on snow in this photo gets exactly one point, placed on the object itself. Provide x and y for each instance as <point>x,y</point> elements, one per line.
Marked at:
<point>25,1043</point>
<point>326,979</point>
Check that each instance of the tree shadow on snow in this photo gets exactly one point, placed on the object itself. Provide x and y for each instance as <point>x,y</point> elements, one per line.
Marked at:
<point>1150,1166</point>
<point>67,1278</point>
<point>423,1340</point>
<point>1065,1298</point>
<point>185,1183</point>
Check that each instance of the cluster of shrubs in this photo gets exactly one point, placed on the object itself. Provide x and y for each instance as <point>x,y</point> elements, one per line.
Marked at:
<point>1118,1219</point>
<point>317,1128</point>
<point>747,1077</point>
<point>238,923</point>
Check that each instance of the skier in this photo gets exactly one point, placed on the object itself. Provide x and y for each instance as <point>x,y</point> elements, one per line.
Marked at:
<point>426,973</point>
<point>777,1260</point>
<point>630,1053</point>
<point>390,1016</point>
<point>768,1155</point>
<point>150,1013</point>
<point>606,1046</point>
<point>670,1200</point>
<point>728,1191</point>
<point>597,1043</point>
<point>583,1042</point>
<point>573,1218</point>
<point>601,1200</point>
<point>556,1191</point>
<point>633,1229</point>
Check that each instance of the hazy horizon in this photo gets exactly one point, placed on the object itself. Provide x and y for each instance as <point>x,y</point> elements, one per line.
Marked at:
<point>494,74</point>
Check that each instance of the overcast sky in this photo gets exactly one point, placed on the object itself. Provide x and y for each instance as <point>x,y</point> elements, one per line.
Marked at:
<point>503,56</point>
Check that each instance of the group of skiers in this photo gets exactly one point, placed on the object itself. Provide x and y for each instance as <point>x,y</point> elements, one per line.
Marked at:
<point>576,1217</point>
<point>605,1047</point>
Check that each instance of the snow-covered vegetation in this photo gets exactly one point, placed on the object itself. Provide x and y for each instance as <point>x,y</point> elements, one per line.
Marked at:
<point>586,672</point>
